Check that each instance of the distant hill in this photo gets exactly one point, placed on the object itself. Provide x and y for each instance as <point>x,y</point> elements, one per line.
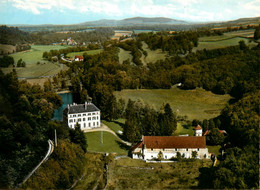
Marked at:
<point>135,21</point>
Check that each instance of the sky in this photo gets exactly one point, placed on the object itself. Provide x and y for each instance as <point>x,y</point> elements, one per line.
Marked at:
<point>78,11</point>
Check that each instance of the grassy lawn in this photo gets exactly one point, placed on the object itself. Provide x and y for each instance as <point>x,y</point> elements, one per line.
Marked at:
<point>116,125</point>
<point>214,149</point>
<point>183,130</point>
<point>90,52</point>
<point>196,104</point>
<point>126,174</point>
<point>31,57</point>
<point>110,143</point>
<point>93,169</point>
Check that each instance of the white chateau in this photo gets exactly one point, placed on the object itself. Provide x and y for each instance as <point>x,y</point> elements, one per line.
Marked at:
<point>87,116</point>
<point>151,146</point>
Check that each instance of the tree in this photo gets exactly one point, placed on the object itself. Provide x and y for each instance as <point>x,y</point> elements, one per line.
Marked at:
<point>242,45</point>
<point>194,154</point>
<point>160,155</point>
<point>257,33</point>
<point>215,137</point>
<point>77,136</point>
<point>168,120</point>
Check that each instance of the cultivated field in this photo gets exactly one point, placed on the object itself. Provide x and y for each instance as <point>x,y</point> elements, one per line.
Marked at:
<point>128,173</point>
<point>90,52</point>
<point>7,49</point>
<point>196,104</point>
<point>110,143</point>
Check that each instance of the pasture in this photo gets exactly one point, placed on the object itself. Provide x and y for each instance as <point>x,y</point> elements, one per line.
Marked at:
<point>116,125</point>
<point>129,173</point>
<point>90,52</point>
<point>110,143</point>
<point>31,57</point>
<point>124,55</point>
<point>195,104</point>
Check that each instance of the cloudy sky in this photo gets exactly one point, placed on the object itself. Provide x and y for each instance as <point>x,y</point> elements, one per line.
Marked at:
<point>77,11</point>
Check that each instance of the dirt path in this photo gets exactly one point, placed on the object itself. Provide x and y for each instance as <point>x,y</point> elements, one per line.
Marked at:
<point>106,128</point>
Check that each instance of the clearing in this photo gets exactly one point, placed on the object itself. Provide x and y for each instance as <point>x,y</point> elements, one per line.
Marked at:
<point>196,104</point>
<point>90,52</point>
<point>110,143</point>
<point>127,173</point>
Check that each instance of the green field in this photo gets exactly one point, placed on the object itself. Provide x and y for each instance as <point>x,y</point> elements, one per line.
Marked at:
<point>152,55</point>
<point>124,55</point>
<point>90,52</point>
<point>31,57</point>
<point>116,125</point>
<point>110,143</point>
<point>196,104</point>
<point>129,173</point>
<point>225,40</point>
<point>183,130</point>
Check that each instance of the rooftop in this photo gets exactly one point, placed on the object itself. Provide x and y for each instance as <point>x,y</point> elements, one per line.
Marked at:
<point>82,108</point>
<point>172,142</point>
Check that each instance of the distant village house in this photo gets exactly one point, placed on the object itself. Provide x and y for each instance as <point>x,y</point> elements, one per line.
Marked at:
<point>78,58</point>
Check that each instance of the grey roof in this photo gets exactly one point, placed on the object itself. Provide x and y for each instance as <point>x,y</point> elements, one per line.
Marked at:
<point>82,108</point>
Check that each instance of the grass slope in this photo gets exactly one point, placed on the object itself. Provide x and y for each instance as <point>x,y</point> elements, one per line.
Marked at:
<point>124,55</point>
<point>152,55</point>
<point>90,52</point>
<point>110,143</point>
<point>196,104</point>
<point>116,125</point>
<point>31,57</point>
<point>183,130</point>
<point>128,173</point>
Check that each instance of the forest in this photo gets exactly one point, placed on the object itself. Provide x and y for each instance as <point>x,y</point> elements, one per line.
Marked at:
<point>25,126</point>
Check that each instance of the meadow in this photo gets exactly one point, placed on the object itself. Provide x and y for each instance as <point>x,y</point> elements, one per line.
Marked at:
<point>128,173</point>
<point>152,55</point>
<point>110,143</point>
<point>90,52</point>
<point>225,40</point>
<point>195,104</point>
<point>115,125</point>
<point>36,66</point>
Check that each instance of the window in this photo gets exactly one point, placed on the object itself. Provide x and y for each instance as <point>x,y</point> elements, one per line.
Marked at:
<point>151,149</point>
<point>165,157</point>
<point>74,120</point>
<point>93,113</point>
<point>84,125</point>
<point>163,149</point>
<point>79,119</point>
<point>89,124</point>
<point>198,149</point>
<point>93,118</point>
<point>84,119</point>
<point>74,116</point>
<point>71,120</point>
<point>152,156</point>
<point>89,113</point>
<point>93,123</point>
<point>176,149</point>
<point>84,114</point>
<point>89,118</point>
<point>186,149</point>
<point>79,115</point>
<point>97,117</point>
<point>97,123</point>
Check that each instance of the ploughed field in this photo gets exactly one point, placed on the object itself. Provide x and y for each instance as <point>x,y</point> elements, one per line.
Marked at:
<point>195,104</point>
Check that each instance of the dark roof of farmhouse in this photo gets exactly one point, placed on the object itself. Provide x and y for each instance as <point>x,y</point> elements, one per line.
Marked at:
<point>82,108</point>
<point>171,142</point>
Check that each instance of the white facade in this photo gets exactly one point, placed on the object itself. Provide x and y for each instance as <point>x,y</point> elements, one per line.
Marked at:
<point>140,151</point>
<point>86,119</point>
<point>148,154</point>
